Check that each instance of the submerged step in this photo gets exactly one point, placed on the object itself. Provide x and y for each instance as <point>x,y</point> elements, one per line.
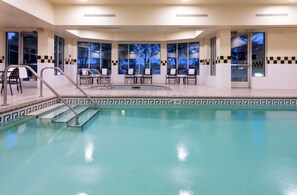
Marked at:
<point>68,115</point>
<point>83,118</point>
<point>54,113</point>
<point>44,110</point>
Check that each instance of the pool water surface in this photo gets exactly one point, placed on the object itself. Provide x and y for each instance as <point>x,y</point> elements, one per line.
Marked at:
<point>154,151</point>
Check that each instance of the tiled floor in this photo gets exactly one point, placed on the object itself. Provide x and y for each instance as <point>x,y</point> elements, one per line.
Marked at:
<point>31,94</point>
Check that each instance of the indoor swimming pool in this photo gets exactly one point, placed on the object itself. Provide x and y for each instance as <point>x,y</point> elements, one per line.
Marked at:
<point>154,150</point>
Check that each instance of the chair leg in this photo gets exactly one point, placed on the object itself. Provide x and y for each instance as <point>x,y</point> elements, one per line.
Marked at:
<point>21,86</point>
<point>10,90</point>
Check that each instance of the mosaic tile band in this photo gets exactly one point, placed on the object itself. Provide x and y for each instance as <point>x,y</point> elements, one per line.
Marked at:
<point>6,117</point>
<point>281,60</point>
<point>45,59</point>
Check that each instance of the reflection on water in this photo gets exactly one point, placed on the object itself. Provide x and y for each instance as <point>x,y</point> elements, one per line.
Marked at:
<point>182,152</point>
<point>89,151</point>
<point>186,192</point>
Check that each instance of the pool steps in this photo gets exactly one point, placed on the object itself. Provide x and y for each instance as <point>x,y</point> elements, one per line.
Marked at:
<point>41,111</point>
<point>62,114</point>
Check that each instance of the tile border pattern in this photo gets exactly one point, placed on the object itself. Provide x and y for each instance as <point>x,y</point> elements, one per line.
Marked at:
<point>268,102</point>
<point>45,59</point>
<point>281,60</point>
<point>15,114</point>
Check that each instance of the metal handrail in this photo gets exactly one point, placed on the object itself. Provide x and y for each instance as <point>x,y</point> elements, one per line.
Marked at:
<point>41,80</point>
<point>76,85</point>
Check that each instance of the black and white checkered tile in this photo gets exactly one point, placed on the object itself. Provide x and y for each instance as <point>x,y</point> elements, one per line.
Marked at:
<point>163,63</point>
<point>114,62</point>
<point>2,59</point>
<point>45,59</point>
<point>204,61</point>
<point>270,102</point>
<point>223,60</point>
<point>281,60</point>
<point>70,61</point>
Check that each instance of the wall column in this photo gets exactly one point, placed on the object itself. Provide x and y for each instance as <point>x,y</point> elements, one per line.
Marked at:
<point>222,78</point>
<point>204,61</point>
<point>46,55</point>
<point>223,67</point>
<point>2,49</point>
<point>70,55</point>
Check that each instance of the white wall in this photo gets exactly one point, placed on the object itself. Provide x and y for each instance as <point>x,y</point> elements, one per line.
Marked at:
<point>222,78</point>
<point>279,76</point>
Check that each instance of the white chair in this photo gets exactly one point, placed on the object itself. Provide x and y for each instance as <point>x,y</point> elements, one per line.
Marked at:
<point>104,75</point>
<point>147,75</point>
<point>84,74</point>
<point>171,75</point>
<point>130,75</point>
<point>191,75</point>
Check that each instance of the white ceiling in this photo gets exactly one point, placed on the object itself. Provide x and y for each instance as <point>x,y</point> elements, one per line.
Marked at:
<point>11,17</point>
<point>173,2</point>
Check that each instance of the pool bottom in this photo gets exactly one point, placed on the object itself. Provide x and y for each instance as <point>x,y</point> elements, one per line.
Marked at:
<point>154,151</point>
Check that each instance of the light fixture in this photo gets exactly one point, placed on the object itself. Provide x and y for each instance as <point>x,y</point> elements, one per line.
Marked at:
<point>191,15</point>
<point>99,15</point>
<point>271,14</point>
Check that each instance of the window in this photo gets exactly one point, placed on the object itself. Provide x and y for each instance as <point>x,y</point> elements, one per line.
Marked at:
<point>258,54</point>
<point>213,55</point>
<point>139,57</point>
<point>183,56</point>
<point>22,48</point>
<point>12,48</point>
<point>59,53</point>
<point>94,55</point>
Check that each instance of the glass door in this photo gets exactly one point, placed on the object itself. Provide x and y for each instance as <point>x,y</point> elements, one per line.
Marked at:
<point>240,63</point>
<point>29,52</point>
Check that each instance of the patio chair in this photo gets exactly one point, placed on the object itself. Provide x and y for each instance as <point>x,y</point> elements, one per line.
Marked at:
<point>95,75</point>
<point>84,74</point>
<point>171,75</point>
<point>105,76</point>
<point>191,75</point>
<point>130,75</point>
<point>147,74</point>
<point>13,78</point>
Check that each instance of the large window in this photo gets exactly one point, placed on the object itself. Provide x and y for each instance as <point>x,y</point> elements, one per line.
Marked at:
<point>213,55</point>
<point>183,56</point>
<point>139,57</point>
<point>94,55</point>
<point>21,48</point>
<point>59,53</point>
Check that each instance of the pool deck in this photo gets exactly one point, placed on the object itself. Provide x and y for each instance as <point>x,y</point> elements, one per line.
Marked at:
<point>30,95</point>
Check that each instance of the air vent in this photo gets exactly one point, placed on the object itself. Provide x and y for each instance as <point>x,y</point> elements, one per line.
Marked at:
<point>99,15</point>
<point>192,15</point>
<point>269,15</point>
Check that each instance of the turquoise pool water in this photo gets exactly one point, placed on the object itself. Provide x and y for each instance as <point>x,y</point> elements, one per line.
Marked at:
<point>154,151</point>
